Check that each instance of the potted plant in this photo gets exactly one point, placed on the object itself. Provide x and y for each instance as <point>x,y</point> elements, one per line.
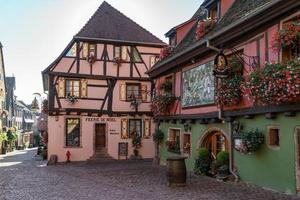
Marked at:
<point>136,143</point>
<point>72,99</point>
<point>203,161</point>
<point>222,161</point>
<point>158,137</point>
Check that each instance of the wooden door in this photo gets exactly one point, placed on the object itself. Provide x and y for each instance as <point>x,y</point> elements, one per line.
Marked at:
<point>216,143</point>
<point>100,130</point>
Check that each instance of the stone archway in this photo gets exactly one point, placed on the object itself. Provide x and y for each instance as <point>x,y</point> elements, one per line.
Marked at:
<point>215,140</point>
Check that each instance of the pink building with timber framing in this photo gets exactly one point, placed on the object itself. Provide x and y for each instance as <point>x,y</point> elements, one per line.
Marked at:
<point>99,92</point>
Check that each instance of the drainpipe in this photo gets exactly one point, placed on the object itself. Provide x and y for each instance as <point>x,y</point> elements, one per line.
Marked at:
<point>220,115</point>
<point>231,153</point>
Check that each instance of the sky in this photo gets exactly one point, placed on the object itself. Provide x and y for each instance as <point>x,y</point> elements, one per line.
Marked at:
<point>34,32</point>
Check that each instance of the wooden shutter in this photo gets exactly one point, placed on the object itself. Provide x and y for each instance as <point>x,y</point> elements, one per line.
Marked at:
<point>144,92</point>
<point>84,93</point>
<point>85,50</point>
<point>61,87</point>
<point>124,53</point>
<point>122,92</point>
<point>147,130</point>
<point>124,128</point>
<point>152,61</point>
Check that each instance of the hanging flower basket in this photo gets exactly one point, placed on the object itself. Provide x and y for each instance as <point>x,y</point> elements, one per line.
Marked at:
<point>288,36</point>
<point>204,26</point>
<point>274,84</point>
<point>248,142</point>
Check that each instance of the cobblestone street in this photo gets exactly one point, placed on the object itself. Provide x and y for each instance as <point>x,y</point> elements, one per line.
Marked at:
<point>22,176</point>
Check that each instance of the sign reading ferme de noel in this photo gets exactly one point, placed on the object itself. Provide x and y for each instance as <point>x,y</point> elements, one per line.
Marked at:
<point>104,120</point>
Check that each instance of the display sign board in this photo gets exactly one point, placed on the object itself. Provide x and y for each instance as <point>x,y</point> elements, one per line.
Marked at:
<point>123,150</point>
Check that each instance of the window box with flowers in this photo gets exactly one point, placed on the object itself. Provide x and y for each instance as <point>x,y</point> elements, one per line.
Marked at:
<point>229,92</point>
<point>204,26</point>
<point>173,142</point>
<point>165,52</point>
<point>275,84</point>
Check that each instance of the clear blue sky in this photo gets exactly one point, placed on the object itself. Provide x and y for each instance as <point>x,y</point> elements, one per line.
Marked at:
<point>34,32</point>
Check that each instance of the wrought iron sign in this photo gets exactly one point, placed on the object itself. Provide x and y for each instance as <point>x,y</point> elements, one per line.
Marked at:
<point>221,66</point>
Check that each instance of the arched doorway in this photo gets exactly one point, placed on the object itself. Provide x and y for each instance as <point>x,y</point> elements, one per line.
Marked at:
<point>215,141</point>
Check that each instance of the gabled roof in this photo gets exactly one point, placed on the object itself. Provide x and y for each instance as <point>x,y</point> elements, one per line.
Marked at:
<point>108,23</point>
<point>239,11</point>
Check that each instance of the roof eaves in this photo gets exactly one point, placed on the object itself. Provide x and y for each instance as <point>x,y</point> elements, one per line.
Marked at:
<point>219,32</point>
<point>119,41</point>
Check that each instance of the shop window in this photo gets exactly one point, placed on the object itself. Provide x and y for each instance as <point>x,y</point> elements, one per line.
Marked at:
<point>173,142</point>
<point>132,91</point>
<point>73,132</point>
<point>135,127</point>
<point>274,140</point>
<point>73,88</point>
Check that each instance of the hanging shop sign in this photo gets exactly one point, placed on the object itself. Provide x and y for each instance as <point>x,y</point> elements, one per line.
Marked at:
<point>221,66</point>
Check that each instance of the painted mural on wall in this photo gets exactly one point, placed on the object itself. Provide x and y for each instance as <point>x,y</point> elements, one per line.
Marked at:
<point>198,86</point>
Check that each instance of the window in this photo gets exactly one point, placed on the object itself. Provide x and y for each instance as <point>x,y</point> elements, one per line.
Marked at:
<point>73,88</point>
<point>124,53</point>
<point>73,132</point>
<point>173,143</point>
<point>135,127</point>
<point>292,51</point>
<point>132,91</point>
<point>169,82</point>
<point>117,52</point>
<point>173,40</point>
<point>88,50</point>
<point>274,137</point>
<point>213,12</point>
<point>187,144</point>
<point>136,56</point>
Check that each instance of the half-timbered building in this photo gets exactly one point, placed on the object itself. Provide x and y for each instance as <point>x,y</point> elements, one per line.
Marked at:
<point>231,83</point>
<point>99,92</point>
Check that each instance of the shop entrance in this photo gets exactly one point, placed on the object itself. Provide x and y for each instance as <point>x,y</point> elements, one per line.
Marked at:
<point>100,133</point>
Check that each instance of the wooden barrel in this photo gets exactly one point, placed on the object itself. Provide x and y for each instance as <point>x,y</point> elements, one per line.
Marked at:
<point>176,171</point>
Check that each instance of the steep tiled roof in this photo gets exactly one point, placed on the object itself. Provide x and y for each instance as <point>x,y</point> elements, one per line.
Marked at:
<point>238,10</point>
<point>110,24</point>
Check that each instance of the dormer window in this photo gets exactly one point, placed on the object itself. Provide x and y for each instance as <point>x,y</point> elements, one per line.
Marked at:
<point>214,10</point>
<point>172,40</point>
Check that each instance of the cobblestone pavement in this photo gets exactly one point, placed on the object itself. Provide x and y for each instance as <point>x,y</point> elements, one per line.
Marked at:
<point>23,176</point>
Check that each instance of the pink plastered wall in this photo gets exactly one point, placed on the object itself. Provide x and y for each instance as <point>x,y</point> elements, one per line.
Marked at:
<point>56,140</point>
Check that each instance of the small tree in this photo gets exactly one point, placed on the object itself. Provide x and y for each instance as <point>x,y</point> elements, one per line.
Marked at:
<point>158,137</point>
<point>202,164</point>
